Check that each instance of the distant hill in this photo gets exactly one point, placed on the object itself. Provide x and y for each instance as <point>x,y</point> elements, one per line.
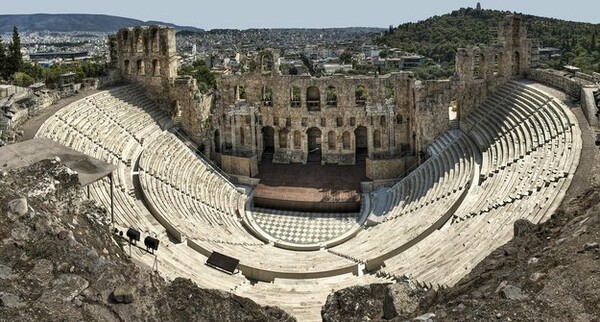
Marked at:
<point>439,36</point>
<point>75,22</point>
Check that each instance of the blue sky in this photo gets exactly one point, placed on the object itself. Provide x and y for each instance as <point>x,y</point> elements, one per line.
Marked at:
<point>239,14</point>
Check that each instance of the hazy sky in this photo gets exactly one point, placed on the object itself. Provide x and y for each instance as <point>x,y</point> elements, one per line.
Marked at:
<point>242,14</point>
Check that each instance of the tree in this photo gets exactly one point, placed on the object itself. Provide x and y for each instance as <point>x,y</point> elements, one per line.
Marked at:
<point>22,79</point>
<point>346,56</point>
<point>15,58</point>
<point>3,69</point>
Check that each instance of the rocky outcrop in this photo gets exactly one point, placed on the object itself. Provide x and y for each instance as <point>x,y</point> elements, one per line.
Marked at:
<point>373,302</point>
<point>59,262</point>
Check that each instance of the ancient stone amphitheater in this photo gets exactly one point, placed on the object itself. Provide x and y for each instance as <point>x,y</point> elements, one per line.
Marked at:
<point>511,157</point>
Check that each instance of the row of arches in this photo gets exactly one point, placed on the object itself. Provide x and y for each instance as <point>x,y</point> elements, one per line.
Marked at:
<point>480,62</point>
<point>313,97</point>
<point>140,41</point>
<point>314,139</point>
<point>141,68</point>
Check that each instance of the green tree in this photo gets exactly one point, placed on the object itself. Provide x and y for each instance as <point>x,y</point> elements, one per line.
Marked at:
<point>22,79</point>
<point>15,58</point>
<point>3,69</point>
<point>346,56</point>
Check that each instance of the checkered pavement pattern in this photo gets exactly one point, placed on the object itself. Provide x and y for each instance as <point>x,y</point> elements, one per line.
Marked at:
<point>304,227</point>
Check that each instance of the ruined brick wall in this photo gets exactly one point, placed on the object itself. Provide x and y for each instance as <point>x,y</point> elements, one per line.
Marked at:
<point>290,107</point>
<point>147,56</point>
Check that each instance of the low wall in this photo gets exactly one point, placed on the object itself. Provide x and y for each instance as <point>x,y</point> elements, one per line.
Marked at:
<point>556,79</point>
<point>387,169</point>
<point>588,104</point>
<point>239,166</point>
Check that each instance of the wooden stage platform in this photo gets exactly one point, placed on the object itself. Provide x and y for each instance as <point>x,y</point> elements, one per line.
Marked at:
<point>310,187</point>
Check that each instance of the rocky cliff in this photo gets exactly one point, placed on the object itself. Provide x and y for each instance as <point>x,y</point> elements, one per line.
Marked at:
<point>60,262</point>
<point>548,272</point>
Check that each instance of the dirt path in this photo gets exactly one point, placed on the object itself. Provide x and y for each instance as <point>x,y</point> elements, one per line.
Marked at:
<point>32,125</point>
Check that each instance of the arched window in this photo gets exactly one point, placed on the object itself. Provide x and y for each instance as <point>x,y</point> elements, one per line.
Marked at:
<point>360,96</point>
<point>154,40</point>
<point>140,67</point>
<point>240,92</point>
<point>267,96</point>
<point>331,96</point>
<point>313,98</point>
<point>331,141</point>
<point>297,140</point>
<point>155,68</point>
<point>377,139</point>
<point>295,96</point>
<point>266,63</point>
<point>126,41</point>
<point>283,134</point>
<point>139,41</point>
<point>479,66</point>
<point>217,141</point>
<point>127,67</point>
<point>346,140</point>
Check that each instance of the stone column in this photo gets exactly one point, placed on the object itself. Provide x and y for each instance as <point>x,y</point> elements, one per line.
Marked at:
<point>253,132</point>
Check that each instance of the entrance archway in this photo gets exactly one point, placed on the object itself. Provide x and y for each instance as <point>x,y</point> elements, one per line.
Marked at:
<point>314,145</point>
<point>362,145</point>
<point>268,135</point>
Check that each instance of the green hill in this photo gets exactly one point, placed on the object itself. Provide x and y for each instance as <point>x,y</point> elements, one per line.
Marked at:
<point>438,37</point>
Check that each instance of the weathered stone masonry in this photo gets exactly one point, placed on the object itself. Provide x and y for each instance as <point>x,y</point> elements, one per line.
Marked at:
<point>337,119</point>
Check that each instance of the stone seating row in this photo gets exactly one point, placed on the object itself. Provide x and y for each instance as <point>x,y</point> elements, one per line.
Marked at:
<point>530,187</point>
<point>421,203</point>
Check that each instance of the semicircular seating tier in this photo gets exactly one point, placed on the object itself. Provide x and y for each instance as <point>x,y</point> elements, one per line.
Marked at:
<point>531,145</point>
<point>512,158</point>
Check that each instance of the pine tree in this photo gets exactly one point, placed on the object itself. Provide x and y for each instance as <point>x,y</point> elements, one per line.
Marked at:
<point>15,58</point>
<point>3,61</point>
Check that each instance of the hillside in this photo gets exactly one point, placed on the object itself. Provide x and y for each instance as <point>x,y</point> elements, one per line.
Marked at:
<point>59,262</point>
<point>439,36</point>
<point>74,22</point>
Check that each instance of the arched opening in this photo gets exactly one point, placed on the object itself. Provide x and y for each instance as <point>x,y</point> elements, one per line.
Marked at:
<point>268,135</point>
<point>361,143</point>
<point>497,63</point>
<point>453,114</point>
<point>217,141</point>
<point>516,63</point>
<point>346,140</point>
<point>242,137</point>
<point>266,63</point>
<point>377,139</point>
<point>295,96</point>
<point>297,140</point>
<point>126,42</point>
<point>314,145</point>
<point>331,141</point>
<point>390,95</point>
<point>331,97</point>
<point>155,68</point>
<point>479,66</point>
<point>313,98</point>
<point>360,96</point>
<point>154,40</point>
<point>267,96</point>
<point>139,41</point>
<point>127,67</point>
<point>140,68</point>
<point>283,138</point>
<point>240,92</point>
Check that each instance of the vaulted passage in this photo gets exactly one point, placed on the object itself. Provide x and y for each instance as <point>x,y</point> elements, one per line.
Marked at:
<point>362,145</point>
<point>314,145</point>
<point>268,142</point>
